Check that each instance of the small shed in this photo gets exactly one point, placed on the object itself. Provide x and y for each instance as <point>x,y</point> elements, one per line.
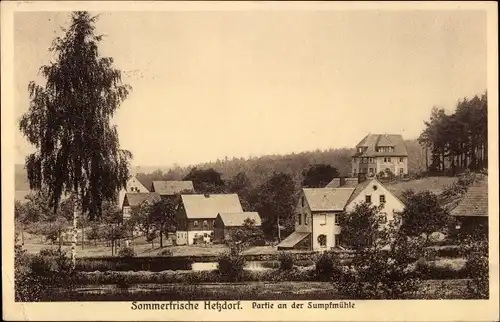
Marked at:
<point>472,211</point>
<point>225,223</point>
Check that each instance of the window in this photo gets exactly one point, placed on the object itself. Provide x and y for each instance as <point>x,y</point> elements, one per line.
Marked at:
<point>368,199</point>
<point>336,219</point>
<point>401,160</point>
<point>195,223</point>
<point>382,198</point>
<point>389,160</point>
<point>401,171</point>
<point>354,172</point>
<point>338,240</point>
<point>371,160</point>
<point>299,219</point>
<point>322,240</point>
<point>306,220</point>
<point>371,170</point>
<point>303,202</point>
<point>205,224</point>
<point>323,222</point>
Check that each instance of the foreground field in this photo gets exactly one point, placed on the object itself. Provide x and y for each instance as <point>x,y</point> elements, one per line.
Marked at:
<point>431,289</point>
<point>33,245</point>
<point>141,250</point>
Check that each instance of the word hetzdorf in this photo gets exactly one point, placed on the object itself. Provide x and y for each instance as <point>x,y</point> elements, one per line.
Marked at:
<point>226,305</point>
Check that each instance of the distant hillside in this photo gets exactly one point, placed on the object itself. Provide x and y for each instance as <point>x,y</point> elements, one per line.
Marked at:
<point>21,178</point>
<point>259,168</point>
<point>433,184</point>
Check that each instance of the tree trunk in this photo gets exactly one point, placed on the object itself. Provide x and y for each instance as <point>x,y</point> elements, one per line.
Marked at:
<point>75,235</point>
<point>426,158</point>
<point>279,230</point>
<point>83,233</point>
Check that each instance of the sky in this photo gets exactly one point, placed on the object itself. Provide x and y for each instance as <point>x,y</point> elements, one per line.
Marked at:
<point>207,85</point>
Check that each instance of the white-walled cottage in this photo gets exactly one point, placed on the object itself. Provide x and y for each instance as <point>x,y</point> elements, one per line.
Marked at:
<point>318,210</point>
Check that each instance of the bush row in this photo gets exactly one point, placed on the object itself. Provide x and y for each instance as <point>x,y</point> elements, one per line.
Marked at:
<point>327,270</point>
<point>128,262</point>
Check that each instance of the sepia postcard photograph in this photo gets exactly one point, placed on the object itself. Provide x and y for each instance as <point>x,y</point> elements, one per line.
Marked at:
<point>250,161</point>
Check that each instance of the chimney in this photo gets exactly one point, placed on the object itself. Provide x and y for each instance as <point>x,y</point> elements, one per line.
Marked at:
<point>361,177</point>
<point>342,181</point>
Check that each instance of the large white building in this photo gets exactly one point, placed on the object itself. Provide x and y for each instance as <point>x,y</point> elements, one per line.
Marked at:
<point>378,153</point>
<point>318,210</point>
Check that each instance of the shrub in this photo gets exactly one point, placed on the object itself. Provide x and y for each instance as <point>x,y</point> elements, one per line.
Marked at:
<point>477,268</point>
<point>166,253</point>
<point>259,242</point>
<point>328,266</point>
<point>126,252</point>
<point>439,270</point>
<point>35,275</point>
<point>52,265</point>
<point>27,288</point>
<point>231,265</point>
<point>286,261</point>
<point>123,281</point>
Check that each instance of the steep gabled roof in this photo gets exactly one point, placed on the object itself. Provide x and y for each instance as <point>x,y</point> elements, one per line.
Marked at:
<point>135,199</point>
<point>363,185</point>
<point>170,188</point>
<point>359,188</point>
<point>209,206</point>
<point>327,199</point>
<point>475,201</point>
<point>238,219</point>
<point>372,141</point>
<point>134,179</point>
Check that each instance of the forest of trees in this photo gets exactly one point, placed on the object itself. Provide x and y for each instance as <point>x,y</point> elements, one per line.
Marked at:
<point>459,140</point>
<point>259,169</point>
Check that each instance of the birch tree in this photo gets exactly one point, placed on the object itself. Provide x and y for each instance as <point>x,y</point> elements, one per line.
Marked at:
<point>68,122</point>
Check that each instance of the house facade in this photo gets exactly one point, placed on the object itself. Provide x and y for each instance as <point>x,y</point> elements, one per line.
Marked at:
<point>133,200</point>
<point>379,153</point>
<point>226,223</point>
<point>318,211</point>
<point>133,186</point>
<point>196,214</point>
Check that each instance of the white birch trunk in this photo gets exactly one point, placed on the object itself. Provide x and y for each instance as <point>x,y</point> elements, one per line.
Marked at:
<point>75,235</point>
<point>279,229</point>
